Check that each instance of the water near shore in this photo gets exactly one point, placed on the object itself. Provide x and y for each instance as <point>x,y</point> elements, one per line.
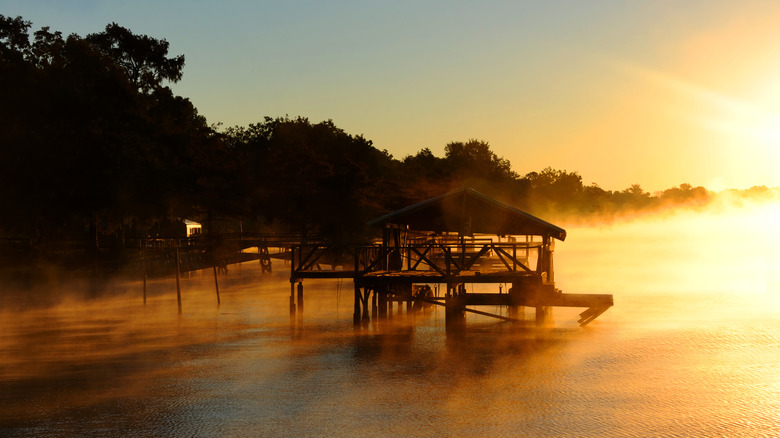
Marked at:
<point>691,348</point>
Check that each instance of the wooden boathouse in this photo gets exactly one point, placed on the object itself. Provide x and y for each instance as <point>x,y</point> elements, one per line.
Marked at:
<point>457,239</point>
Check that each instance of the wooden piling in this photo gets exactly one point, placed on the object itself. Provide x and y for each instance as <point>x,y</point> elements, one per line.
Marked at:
<point>364,299</point>
<point>178,281</point>
<point>356,313</point>
<point>454,311</point>
<point>216,285</point>
<point>292,283</point>
<point>543,315</point>
<point>389,308</point>
<point>300,298</point>
<point>292,299</point>
<point>143,263</point>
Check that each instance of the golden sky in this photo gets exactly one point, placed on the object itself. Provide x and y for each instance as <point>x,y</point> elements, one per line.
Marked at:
<point>656,93</point>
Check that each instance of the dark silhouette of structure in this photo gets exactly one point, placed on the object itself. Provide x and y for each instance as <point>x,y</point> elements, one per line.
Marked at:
<point>462,237</point>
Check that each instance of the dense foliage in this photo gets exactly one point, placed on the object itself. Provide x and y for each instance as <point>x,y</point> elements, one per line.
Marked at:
<point>94,143</point>
<point>92,139</point>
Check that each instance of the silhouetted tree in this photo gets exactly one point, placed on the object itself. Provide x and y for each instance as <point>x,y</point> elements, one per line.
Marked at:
<point>685,194</point>
<point>93,139</point>
<point>475,159</point>
<point>553,189</point>
<point>144,59</point>
<point>313,177</point>
<point>91,144</point>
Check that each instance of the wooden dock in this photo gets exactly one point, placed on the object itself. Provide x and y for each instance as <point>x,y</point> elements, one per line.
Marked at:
<point>460,238</point>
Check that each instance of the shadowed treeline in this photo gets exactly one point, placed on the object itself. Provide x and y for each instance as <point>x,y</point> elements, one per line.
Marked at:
<point>96,148</point>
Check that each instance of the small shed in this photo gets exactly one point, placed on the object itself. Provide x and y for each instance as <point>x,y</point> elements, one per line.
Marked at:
<point>193,228</point>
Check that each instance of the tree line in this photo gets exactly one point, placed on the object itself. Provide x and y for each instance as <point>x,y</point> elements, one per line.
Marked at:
<point>94,143</point>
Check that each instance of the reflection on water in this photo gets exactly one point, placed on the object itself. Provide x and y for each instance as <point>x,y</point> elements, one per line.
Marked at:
<point>690,349</point>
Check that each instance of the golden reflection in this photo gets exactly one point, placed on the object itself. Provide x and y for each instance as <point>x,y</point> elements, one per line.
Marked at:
<point>690,348</point>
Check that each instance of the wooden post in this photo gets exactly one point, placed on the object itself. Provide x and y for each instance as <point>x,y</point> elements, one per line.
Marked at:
<point>216,285</point>
<point>292,282</point>
<point>364,298</point>
<point>454,313</point>
<point>390,308</point>
<point>543,315</point>
<point>356,313</point>
<point>300,298</point>
<point>143,263</point>
<point>292,298</point>
<point>373,306</point>
<point>545,259</point>
<point>178,283</point>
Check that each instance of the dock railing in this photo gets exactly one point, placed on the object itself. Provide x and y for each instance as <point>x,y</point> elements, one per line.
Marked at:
<point>447,258</point>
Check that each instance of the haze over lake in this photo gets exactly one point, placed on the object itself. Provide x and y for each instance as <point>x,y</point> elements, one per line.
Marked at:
<point>691,348</point>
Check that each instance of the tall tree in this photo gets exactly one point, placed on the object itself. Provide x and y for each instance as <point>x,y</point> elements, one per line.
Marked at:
<point>474,158</point>
<point>315,178</point>
<point>93,137</point>
<point>144,59</point>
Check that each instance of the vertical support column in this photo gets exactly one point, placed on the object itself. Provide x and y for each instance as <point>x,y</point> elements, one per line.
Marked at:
<point>216,285</point>
<point>292,282</point>
<point>356,312</point>
<point>389,307</point>
<point>373,306</point>
<point>300,298</point>
<point>364,298</point>
<point>292,298</point>
<point>551,266</point>
<point>517,294</point>
<point>545,259</point>
<point>178,282</point>
<point>544,315</point>
<point>404,296</point>
<point>455,315</point>
<point>143,262</point>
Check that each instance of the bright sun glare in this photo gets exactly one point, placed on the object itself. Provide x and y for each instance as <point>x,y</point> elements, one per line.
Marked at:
<point>746,127</point>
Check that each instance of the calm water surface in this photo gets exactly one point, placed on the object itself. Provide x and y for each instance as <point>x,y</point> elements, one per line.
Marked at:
<point>691,348</point>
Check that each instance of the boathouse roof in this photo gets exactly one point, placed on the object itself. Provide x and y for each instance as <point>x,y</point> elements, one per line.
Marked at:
<point>468,211</point>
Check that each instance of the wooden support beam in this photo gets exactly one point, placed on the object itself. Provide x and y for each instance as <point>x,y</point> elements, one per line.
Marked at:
<point>143,262</point>
<point>590,314</point>
<point>315,254</point>
<point>364,299</point>
<point>373,305</point>
<point>423,257</point>
<point>216,285</point>
<point>292,299</point>
<point>466,309</point>
<point>178,283</point>
<point>470,262</point>
<point>356,314</point>
<point>300,298</point>
<point>501,253</point>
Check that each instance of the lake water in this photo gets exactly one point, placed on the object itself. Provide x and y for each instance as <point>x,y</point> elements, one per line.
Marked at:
<point>691,348</point>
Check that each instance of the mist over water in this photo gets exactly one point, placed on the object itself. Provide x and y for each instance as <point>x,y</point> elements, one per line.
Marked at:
<point>691,348</point>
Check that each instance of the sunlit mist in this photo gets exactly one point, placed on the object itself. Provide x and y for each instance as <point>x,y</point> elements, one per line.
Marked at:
<point>720,263</point>
<point>690,348</point>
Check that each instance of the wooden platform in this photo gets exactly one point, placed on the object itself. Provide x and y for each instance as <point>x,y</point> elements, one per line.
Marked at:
<point>469,276</point>
<point>454,239</point>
